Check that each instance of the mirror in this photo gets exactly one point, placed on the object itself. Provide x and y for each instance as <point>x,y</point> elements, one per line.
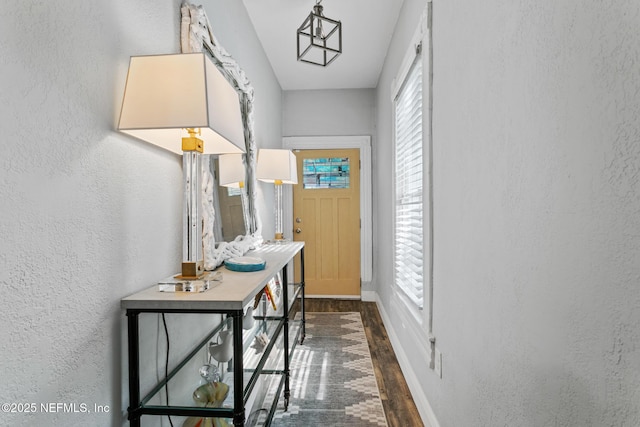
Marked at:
<point>196,36</point>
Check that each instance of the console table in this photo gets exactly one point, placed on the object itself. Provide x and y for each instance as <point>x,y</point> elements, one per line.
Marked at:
<point>236,291</point>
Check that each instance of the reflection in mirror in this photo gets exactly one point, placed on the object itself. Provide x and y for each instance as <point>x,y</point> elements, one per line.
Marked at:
<point>196,36</point>
<point>213,203</point>
<point>230,180</point>
<point>231,213</point>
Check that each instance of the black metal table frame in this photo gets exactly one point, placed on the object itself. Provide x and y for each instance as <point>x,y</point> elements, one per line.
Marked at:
<point>136,408</point>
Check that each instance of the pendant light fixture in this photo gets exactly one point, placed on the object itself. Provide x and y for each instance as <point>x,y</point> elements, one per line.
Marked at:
<point>319,38</point>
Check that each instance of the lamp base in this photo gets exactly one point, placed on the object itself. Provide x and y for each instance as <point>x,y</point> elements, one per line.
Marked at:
<point>209,280</point>
<point>276,241</point>
<point>192,270</point>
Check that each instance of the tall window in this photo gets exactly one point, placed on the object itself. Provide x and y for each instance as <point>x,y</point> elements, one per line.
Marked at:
<point>409,236</point>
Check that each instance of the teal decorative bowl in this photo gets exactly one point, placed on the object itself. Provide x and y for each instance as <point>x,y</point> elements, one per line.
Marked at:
<point>245,264</point>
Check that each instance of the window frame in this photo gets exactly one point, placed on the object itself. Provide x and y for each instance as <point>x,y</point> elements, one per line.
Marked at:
<point>422,318</point>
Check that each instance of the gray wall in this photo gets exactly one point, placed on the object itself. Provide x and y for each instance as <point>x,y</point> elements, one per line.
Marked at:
<point>536,209</point>
<point>336,112</point>
<point>89,215</point>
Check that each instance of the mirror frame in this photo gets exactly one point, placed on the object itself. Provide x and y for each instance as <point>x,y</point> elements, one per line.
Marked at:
<point>196,36</point>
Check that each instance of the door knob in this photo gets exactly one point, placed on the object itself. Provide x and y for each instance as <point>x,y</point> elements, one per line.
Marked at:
<point>298,230</point>
<point>298,220</point>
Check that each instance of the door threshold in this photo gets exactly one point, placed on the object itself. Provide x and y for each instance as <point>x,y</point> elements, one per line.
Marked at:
<point>349,297</point>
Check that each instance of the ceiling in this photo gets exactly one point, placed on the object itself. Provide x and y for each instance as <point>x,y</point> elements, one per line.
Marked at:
<point>367,27</point>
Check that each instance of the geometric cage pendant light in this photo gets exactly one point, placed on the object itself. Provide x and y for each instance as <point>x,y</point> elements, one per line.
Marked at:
<point>319,38</point>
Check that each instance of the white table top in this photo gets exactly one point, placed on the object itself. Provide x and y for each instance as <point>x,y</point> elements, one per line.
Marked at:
<point>234,293</point>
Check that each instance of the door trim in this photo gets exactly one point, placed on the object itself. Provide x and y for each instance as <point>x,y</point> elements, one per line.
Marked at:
<point>362,142</point>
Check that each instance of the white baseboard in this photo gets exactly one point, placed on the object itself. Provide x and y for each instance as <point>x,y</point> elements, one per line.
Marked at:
<point>422,403</point>
<point>369,296</point>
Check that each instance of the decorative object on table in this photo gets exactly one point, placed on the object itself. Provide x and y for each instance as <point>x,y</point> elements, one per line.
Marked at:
<point>278,167</point>
<point>210,373</point>
<point>319,39</point>
<point>247,318</point>
<point>182,103</point>
<point>245,264</point>
<point>260,342</point>
<point>222,350</point>
<point>209,280</point>
<point>209,395</point>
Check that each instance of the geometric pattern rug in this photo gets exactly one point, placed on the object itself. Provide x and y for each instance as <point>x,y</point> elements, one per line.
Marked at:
<point>332,378</point>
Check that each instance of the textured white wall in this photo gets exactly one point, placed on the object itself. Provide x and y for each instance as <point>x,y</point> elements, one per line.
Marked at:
<point>88,215</point>
<point>537,210</point>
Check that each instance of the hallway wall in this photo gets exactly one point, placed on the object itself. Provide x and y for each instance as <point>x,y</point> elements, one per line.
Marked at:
<point>89,215</point>
<point>536,139</point>
<point>334,112</point>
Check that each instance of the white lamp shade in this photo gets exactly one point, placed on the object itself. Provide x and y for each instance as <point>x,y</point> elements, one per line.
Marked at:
<point>165,94</point>
<point>231,170</point>
<point>277,165</point>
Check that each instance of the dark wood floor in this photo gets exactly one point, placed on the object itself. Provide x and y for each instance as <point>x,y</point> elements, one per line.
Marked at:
<point>398,405</point>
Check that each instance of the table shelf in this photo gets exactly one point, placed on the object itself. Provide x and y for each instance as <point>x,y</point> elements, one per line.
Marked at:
<point>255,373</point>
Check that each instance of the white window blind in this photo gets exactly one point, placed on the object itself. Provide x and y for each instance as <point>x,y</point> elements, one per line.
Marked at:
<point>409,247</point>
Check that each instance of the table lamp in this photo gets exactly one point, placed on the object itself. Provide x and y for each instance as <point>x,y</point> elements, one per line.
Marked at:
<point>182,103</point>
<point>231,174</point>
<point>278,167</point>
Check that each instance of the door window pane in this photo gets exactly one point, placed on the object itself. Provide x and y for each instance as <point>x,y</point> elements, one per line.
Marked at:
<point>325,173</point>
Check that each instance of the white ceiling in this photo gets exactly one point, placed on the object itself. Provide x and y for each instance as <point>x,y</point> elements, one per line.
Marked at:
<point>367,27</point>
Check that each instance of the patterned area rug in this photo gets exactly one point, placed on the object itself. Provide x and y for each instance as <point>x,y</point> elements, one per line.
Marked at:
<point>332,377</point>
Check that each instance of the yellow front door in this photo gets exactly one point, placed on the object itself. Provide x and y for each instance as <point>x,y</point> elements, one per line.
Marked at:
<point>326,216</point>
